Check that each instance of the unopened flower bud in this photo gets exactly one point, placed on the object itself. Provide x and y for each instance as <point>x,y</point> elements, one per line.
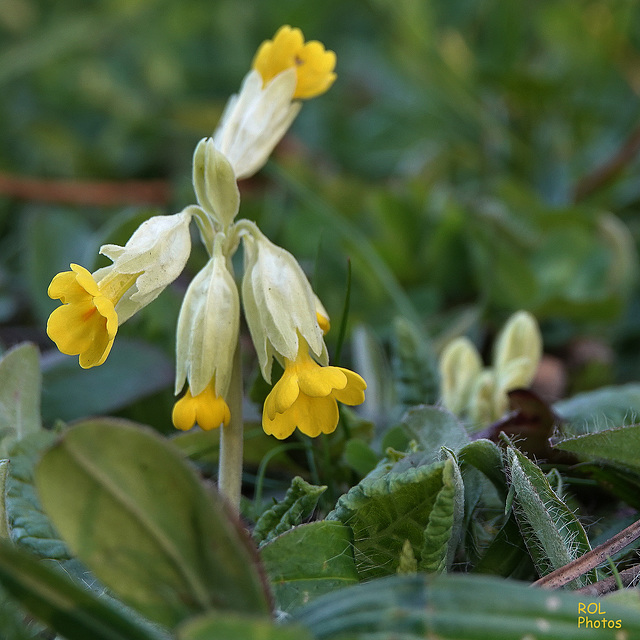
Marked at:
<point>460,365</point>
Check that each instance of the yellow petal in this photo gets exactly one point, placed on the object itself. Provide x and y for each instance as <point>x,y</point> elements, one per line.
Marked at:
<point>353,393</point>
<point>183,415</point>
<point>318,382</point>
<point>316,415</point>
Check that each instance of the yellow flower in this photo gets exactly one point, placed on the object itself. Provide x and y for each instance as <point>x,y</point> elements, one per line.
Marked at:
<point>306,397</point>
<point>206,409</point>
<point>86,323</point>
<point>314,66</point>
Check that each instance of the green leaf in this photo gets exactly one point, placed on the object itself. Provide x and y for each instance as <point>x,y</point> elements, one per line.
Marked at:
<point>308,561</point>
<point>415,368</point>
<point>133,370</point>
<point>134,512</point>
<point>360,456</point>
<point>434,428</point>
<point>553,533</point>
<point>621,445</point>
<point>29,527</point>
<point>70,610</point>
<point>229,627</point>
<point>298,503</point>
<point>485,456</point>
<point>386,510</point>
<point>20,382</point>
<point>600,409</point>
<point>460,607</point>
<point>445,520</point>
<point>4,523</point>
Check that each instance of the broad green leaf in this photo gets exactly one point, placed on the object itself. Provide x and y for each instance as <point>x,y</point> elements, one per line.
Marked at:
<point>461,607</point>
<point>553,533</point>
<point>600,409</point>
<point>360,456</point>
<point>4,525</point>
<point>133,370</point>
<point>433,428</point>
<point>385,510</point>
<point>621,445</point>
<point>415,368</point>
<point>20,382</point>
<point>29,527</point>
<point>229,627</point>
<point>70,610</point>
<point>445,520</point>
<point>298,503</point>
<point>134,512</point>
<point>309,560</point>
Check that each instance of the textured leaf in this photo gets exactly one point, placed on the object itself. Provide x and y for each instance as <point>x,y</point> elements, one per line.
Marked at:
<point>308,561</point>
<point>415,369</point>
<point>298,503</point>
<point>601,409</point>
<point>445,521</point>
<point>136,515</point>
<point>553,533</point>
<point>621,445</point>
<point>386,510</point>
<point>228,627</point>
<point>485,456</point>
<point>20,382</point>
<point>459,607</point>
<point>433,428</point>
<point>29,526</point>
<point>70,610</point>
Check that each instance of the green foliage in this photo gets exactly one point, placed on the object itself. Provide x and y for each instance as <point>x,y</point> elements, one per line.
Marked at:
<point>298,575</point>
<point>100,485</point>
<point>298,503</point>
<point>230,627</point>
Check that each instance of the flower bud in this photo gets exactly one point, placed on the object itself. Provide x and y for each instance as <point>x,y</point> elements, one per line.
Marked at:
<point>215,183</point>
<point>207,332</point>
<point>517,351</point>
<point>255,120</point>
<point>482,401</point>
<point>460,365</point>
<point>280,306</point>
<point>157,252</point>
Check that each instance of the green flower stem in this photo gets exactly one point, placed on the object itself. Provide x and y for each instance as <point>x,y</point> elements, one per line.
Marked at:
<point>231,440</point>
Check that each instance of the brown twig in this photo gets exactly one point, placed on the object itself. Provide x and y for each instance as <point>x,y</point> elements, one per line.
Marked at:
<point>590,560</point>
<point>600,588</point>
<point>90,193</point>
<point>608,171</point>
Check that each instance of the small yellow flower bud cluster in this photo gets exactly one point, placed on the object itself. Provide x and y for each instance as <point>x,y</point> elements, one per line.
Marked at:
<point>480,394</point>
<point>286,319</point>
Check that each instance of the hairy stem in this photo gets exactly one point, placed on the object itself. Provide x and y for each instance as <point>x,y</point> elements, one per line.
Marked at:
<point>231,440</point>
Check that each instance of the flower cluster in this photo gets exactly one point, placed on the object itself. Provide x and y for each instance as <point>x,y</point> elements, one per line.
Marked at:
<point>479,393</point>
<point>285,318</point>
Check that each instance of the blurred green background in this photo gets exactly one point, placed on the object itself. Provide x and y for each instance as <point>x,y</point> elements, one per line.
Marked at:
<point>472,159</point>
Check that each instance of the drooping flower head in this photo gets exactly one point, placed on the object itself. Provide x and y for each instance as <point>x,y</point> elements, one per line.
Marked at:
<point>86,324</point>
<point>314,65</point>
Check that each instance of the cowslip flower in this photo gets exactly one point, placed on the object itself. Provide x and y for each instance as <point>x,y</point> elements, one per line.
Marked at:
<point>207,335</point>
<point>94,305</point>
<point>306,397</point>
<point>285,70</point>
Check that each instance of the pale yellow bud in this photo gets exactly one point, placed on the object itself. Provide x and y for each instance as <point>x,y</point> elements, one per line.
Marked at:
<point>460,365</point>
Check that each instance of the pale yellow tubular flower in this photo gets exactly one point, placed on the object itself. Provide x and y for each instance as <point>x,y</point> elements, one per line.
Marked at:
<point>306,397</point>
<point>206,409</point>
<point>86,324</point>
<point>313,64</point>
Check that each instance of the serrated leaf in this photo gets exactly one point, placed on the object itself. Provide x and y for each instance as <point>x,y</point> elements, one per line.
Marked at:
<point>445,521</point>
<point>297,505</point>
<point>621,446</point>
<point>415,368</point>
<point>308,561</point>
<point>458,607</point>
<point>384,511</point>
<point>29,526</point>
<point>228,627</point>
<point>433,428</point>
<point>601,409</point>
<point>70,610</point>
<point>134,512</point>
<point>553,533</point>
<point>20,383</point>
